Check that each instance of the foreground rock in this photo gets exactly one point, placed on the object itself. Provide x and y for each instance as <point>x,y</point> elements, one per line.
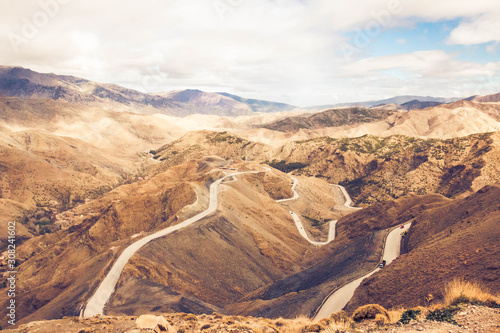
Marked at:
<point>470,319</point>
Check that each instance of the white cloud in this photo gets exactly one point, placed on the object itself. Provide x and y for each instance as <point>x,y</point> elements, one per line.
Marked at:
<point>478,30</point>
<point>258,48</point>
<point>435,63</point>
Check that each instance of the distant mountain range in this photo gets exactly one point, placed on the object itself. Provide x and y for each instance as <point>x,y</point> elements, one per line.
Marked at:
<point>400,100</point>
<point>25,83</point>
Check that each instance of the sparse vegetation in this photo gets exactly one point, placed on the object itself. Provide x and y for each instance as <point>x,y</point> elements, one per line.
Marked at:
<point>380,319</point>
<point>225,137</point>
<point>408,315</point>
<point>285,166</point>
<point>444,315</point>
<point>339,322</point>
<point>314,328</point>
<point>369,311</point>
<point>461,291</point>
<point>329,118</point>
<point>314,222</point>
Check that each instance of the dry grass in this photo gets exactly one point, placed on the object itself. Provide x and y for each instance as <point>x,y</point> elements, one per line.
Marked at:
<point>339,327</point>
<point>461,291</point>
<point>314,328</point>
<point>340,317</point>
<point>381,319</point>
<point>297,325</point>
<point>369,311</point>
<point>338,322</point>
<point>395,315</point>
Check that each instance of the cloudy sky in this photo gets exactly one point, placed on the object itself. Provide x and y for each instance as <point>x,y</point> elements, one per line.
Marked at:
<point>303,52</point>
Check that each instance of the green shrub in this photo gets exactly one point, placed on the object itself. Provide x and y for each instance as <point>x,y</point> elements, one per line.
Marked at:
<point>408,315</point>
<point>286,167</point>
<point>444,315</point>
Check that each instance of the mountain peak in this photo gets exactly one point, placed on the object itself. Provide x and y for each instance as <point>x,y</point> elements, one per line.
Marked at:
<point>25,83</point>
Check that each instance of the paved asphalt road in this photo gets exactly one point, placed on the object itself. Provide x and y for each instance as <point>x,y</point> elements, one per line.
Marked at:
<point>339,299</point>
<point>97,302</point>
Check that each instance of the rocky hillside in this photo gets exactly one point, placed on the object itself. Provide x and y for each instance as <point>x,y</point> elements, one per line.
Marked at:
<point>59,270</point>
<point>463,317</point>
<point>372,168</point>
<point>329,118</point>
<point>444,121</point>
<point>453,239</point>
<point>375,169</point>
<point>56,155</point>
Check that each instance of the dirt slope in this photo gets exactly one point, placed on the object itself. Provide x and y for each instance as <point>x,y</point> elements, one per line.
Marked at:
<point>356,250</point>
<point>444,121</point>
<point>58,271</point>
<point>372,168</point>
<point>456,239</point>
<point>329,118</point>
<point>252,241</point>
<point>114,132</point>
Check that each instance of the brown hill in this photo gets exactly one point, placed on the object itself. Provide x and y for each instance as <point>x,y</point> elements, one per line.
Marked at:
<point>44,174</point>
<point>117,133</point>
<point>494,98</point>
<point>55,155</point>
<point>444,121</point>
<point>206,143</point>
<point>329,118</point>
<point>456,239</point>
<point>356,250</point>
<point>59,271</point>
<point>372,168</point>
<point>250,243</point>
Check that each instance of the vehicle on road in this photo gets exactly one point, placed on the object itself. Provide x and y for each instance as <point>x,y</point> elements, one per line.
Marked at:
<point>382,264</point>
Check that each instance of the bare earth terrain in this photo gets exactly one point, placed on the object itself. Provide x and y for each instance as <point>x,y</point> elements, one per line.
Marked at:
<point>87,169</point>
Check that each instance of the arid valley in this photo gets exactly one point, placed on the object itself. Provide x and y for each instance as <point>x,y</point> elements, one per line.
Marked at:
<point>254,167</point>
<point>83,183</point>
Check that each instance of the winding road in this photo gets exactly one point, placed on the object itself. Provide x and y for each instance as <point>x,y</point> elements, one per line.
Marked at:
<point>333,223</point>
<point>348,201</point>
<point>97,302</point>
<point>302,231</point>
<point>295,194</point>
<point>339,299</point>
<point>333,303</point>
